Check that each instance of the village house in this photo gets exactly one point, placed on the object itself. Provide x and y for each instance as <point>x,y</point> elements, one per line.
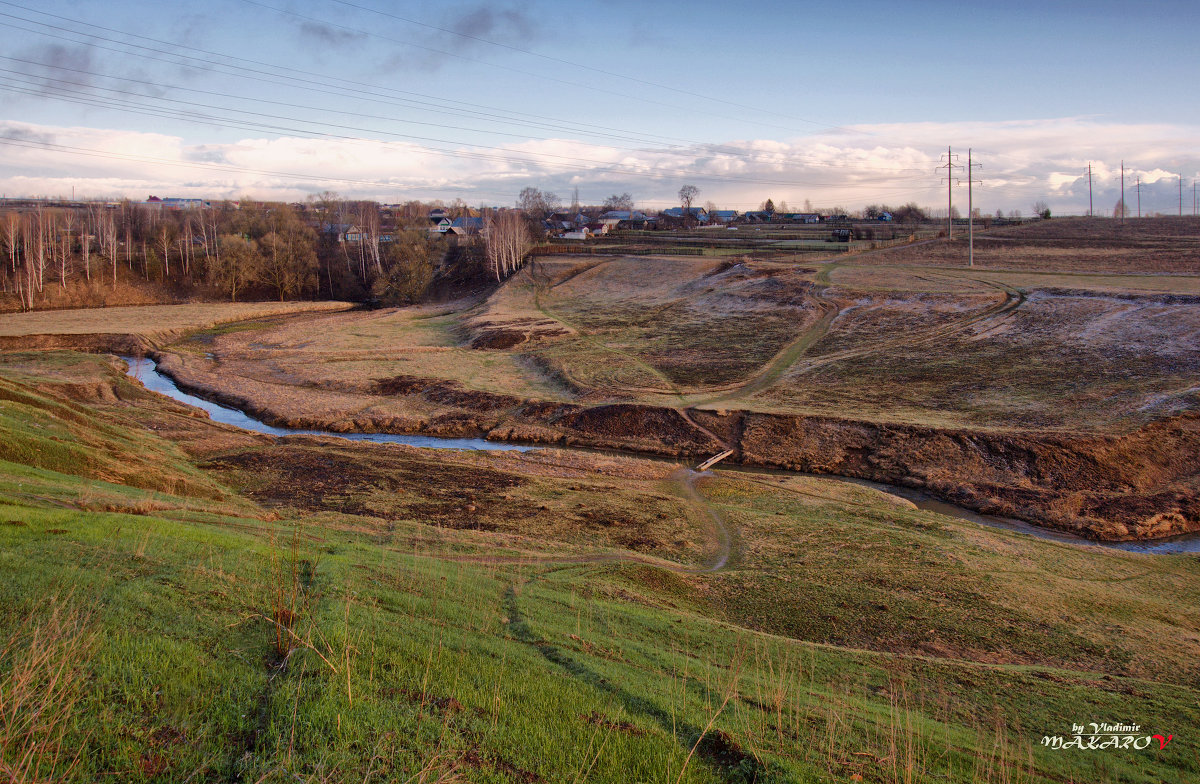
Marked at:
<point>628,219</point>
<point>698,214</point>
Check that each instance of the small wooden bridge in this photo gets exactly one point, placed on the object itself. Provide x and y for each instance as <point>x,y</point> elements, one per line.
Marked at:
<point>712,461</point>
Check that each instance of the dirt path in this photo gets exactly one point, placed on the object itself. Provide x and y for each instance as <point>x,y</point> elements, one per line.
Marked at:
<point>999,313</point>
<point>541,284</point>
<point>789,355</point>
<point>687,481</point>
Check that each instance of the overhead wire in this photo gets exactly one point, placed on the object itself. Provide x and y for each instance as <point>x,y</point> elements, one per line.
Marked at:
<point>307,84</point>
<point>520,71</point>
<point>563,61</point>
<point>561,160</point>
<point>228,122</point>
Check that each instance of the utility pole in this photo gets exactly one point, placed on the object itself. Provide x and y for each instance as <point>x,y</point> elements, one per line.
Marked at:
<point>971,167</point>
<point>1181,194</point>
<point>1193,198</point>
<point>1090,209</point>
<point>951,180</point>
<point>1139,190</point>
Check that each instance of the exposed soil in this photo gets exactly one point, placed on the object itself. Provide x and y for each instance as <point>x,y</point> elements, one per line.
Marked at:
<point>449,393</point>
<point>379,483</point>
<point>600,720</point>
<point>1144,484</point>
<point>391,483</point>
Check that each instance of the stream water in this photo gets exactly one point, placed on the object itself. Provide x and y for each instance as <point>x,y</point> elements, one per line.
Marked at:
<point>145,370</point>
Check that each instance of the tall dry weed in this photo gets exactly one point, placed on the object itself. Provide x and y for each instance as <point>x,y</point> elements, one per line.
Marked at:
<point>41,684</point>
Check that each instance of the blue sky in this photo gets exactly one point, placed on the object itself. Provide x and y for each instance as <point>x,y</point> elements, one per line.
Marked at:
<point>833,103</point>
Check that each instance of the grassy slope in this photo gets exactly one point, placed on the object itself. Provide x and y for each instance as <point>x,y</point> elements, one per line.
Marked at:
<point>149,320</point>
<point>1057,341</point>
<point>850,634</point>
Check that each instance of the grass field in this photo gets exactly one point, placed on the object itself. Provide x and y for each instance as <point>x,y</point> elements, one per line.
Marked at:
<point>150,320</point>
<point>185,601</point>
<point>1041,334</point>
<point>239,608</point>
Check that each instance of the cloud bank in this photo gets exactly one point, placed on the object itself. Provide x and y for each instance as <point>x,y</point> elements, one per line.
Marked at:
<point>1022,162</point>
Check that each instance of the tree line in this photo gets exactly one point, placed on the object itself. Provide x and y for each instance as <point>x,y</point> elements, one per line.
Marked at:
<point>106,253</point>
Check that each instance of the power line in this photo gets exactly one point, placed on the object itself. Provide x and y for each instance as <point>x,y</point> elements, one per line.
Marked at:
<point>535,74</point>
<point>109,155</point>
<point>161,86</point>
<point>562,160</point>
<point>563,61</point>
<point>374,93</point>
<point>246,73</point>
<point>176,45</point>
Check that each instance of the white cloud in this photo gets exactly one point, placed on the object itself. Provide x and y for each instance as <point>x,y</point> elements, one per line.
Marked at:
<point>1023,161</point>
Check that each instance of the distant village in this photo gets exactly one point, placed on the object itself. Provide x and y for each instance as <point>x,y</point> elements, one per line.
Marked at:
<point>580,224</point>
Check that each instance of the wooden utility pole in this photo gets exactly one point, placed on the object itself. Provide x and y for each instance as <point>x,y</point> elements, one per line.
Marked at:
<point>1122,191</point>
<point>1139,192</point>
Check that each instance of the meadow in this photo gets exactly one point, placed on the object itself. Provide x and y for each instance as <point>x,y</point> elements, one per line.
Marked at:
<point>189,602</point>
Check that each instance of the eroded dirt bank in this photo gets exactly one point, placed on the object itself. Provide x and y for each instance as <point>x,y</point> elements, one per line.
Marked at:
<point>1142,485</point>
<point>1137,486</point>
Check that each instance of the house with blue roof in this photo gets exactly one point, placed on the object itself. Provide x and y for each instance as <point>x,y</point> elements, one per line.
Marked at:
<point>696,213</point>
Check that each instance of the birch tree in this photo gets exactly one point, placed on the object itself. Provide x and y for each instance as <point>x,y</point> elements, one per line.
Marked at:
<point>507,241</point>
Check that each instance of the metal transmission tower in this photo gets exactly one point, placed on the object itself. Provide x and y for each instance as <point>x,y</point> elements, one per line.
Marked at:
<point>951,181</point>
<point>1139,191</point>
<point>971,167</point>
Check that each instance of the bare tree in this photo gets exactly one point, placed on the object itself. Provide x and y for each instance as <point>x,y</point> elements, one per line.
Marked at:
<point>11,228</point>
<point>165,241</point>
<point>106,235</point>
<point>619,201</point>
<point>688,194</point>
<point>39,238</point>
<point>368,223</point>
<point>535,203</point>
<point>507,241</point>
<point>68,233</point>
<point>85,240</point>
<point>238,264</point>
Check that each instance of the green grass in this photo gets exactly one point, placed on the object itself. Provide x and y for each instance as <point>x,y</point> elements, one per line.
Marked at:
<point>232,634</point>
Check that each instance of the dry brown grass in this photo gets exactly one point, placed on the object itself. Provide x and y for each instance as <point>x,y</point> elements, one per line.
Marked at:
<point>41,684</point>
<point>1151,246</point>
<point>149,320</point>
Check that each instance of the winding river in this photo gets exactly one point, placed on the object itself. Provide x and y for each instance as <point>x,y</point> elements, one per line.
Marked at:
<point>146,371</point>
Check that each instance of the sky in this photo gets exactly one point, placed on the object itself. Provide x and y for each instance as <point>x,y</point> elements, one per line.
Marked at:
<point>827,104</point>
